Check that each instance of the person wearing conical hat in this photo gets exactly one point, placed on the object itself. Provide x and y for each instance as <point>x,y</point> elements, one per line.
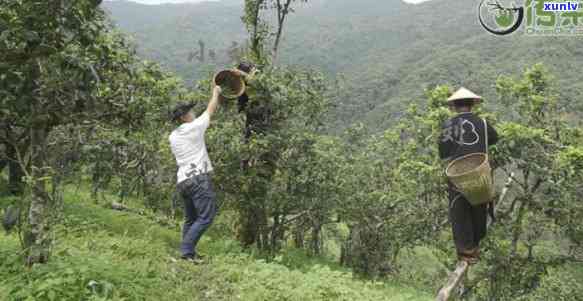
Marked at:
<point>462,135</point>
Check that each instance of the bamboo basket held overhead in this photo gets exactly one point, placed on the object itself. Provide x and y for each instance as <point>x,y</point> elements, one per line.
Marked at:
<point>472,176</point>
<point>231,83</point>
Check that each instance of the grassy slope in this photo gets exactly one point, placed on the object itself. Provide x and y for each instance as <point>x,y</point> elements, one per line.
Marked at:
<point>130,257</point>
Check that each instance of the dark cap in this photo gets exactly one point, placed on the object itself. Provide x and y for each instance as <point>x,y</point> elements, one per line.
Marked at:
<point>246,67</point>
<point>180,109</point>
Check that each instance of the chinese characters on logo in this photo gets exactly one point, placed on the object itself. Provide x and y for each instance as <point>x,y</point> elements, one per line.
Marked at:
<point>545,17</point>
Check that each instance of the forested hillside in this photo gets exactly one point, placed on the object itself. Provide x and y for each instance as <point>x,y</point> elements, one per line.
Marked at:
<point>389,52</point>
<point>96,202</point>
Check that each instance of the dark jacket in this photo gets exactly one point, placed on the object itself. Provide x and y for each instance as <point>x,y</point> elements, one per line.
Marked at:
<point>465,134</point>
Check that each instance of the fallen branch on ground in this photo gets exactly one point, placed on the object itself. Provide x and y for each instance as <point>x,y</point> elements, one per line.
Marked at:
<point>454,280</point>
<point>119,207</point>
<point>122,207</point>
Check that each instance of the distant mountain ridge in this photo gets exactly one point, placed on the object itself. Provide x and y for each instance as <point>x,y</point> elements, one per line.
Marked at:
<point>388,51</point>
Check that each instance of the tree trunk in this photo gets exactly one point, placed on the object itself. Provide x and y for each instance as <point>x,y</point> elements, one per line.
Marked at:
<point>345,250</point>
<point>298,235</point>
<point>274,239</point>
<point>277,40</point>
<point>252,214</point>
<point>37,235</point>
<point>282,12</point>
<point>3,163</point>
<point>38,240</point>
<point>15,172</point>
<point>256,39</point>
<point>517,229</point>
<point>316,242</point>
<point>251,221</point>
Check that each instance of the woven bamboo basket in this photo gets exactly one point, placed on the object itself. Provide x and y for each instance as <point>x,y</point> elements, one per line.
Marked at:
<point>472,176</point>
<point>231,83</point>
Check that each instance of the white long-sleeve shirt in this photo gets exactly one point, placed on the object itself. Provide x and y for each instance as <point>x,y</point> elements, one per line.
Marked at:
<point>189,148</point>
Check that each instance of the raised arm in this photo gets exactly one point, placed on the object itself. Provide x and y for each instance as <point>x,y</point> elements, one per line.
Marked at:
<point>214,102</point>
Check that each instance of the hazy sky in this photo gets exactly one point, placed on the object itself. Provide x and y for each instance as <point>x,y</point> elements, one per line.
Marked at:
<point>167,1</point>
<point>194,1</point>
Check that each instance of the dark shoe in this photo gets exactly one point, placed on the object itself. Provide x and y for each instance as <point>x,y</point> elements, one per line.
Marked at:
<point>469,259</point>
<point>470,256</point>
<point>193,259</point>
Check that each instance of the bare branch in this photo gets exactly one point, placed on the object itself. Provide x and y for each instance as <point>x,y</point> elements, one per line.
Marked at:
<point>454,280</point>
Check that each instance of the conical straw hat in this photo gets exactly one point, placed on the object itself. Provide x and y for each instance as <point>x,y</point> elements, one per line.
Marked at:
<point>464,93</point>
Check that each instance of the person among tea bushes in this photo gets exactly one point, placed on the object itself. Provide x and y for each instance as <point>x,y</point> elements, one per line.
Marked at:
<point>258,111</point>
<point>462,135</point>
<point>247,70</point>
<point>194,172</point>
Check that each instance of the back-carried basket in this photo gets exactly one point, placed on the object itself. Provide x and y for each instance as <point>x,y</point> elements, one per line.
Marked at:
<point>472,175</point>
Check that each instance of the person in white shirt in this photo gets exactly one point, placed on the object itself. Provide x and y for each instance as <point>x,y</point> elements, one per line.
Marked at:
<point>194,168</point>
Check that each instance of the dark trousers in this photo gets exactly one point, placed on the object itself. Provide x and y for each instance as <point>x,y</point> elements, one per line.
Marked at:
<point>468,222</point>
<point>200,210</point>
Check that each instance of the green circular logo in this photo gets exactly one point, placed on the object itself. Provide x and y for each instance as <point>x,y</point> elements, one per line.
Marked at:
<point>500,17</point>
<point>504,18</point>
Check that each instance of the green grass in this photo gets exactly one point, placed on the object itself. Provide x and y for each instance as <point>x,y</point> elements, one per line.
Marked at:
<point>101,254</point>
